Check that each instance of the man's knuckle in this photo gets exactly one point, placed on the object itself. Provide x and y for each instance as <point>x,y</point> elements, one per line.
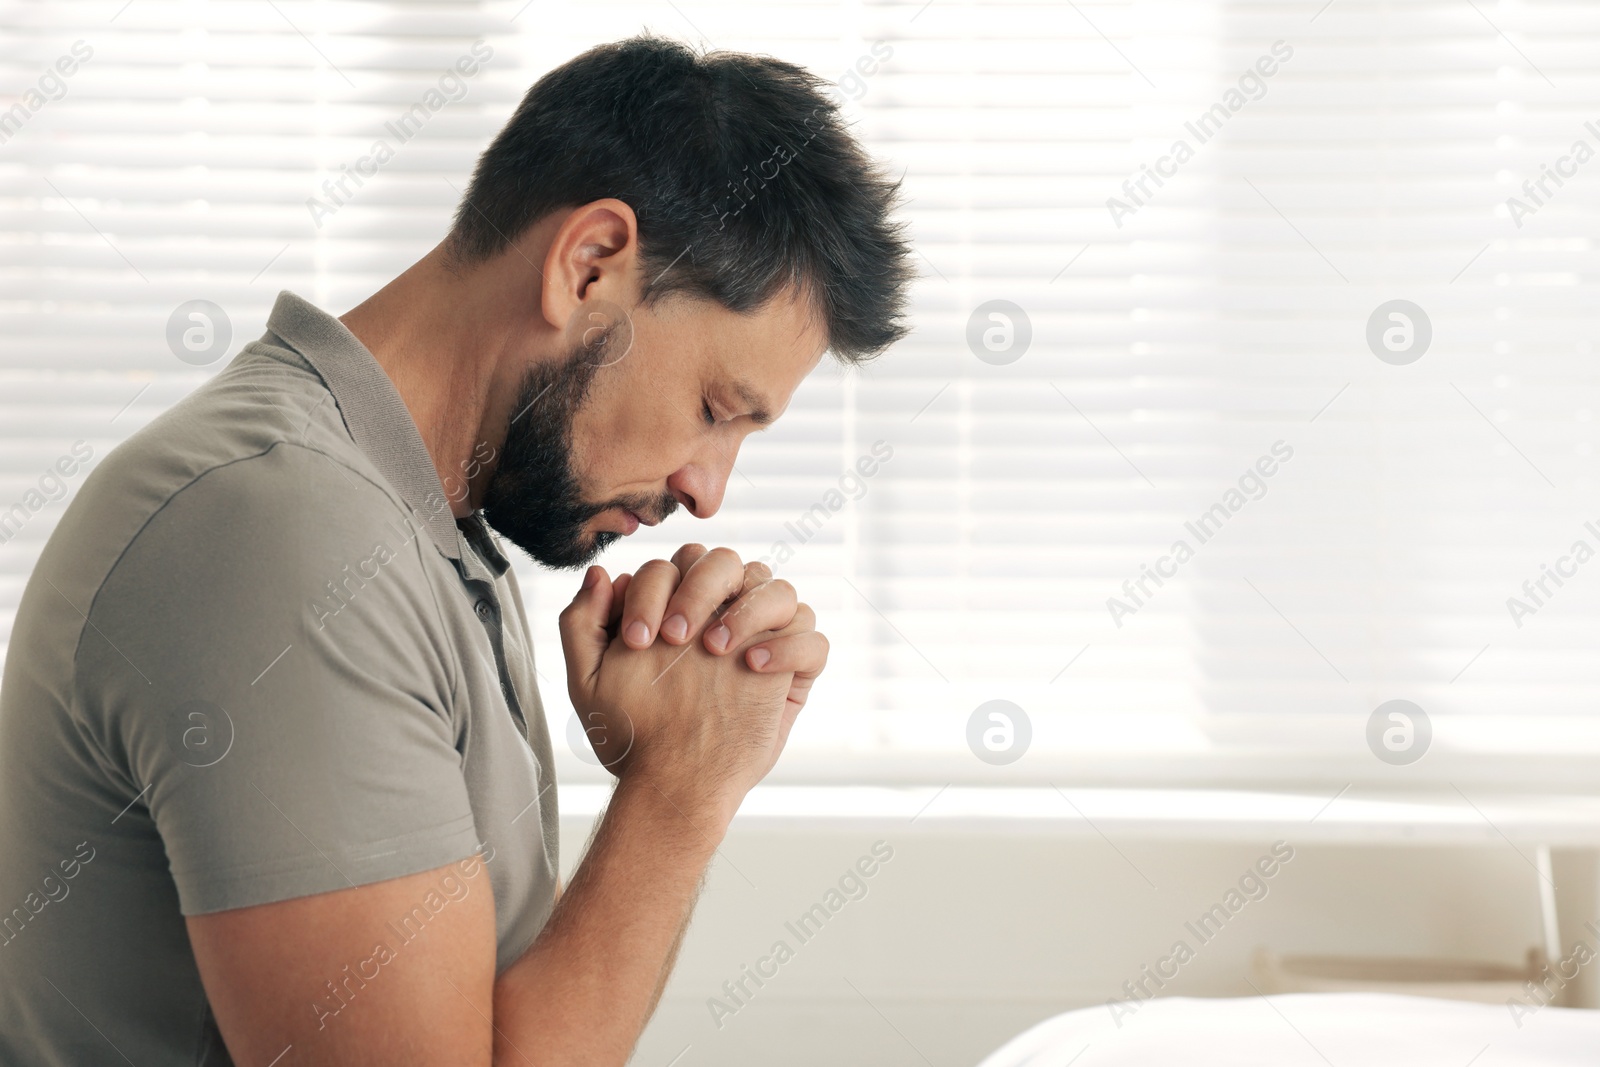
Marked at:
<point>725,560</point>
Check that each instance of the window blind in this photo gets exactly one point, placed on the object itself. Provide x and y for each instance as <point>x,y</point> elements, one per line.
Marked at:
<point>1300,287</point>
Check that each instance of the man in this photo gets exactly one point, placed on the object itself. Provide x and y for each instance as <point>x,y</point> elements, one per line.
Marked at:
<point>275,779</point>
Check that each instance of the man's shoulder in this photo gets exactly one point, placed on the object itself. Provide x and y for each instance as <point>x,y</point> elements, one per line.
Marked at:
<point>268,396</point>
<point>255,468</point>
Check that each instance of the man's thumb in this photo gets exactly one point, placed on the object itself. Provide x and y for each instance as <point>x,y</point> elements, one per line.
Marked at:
<point>583,629</point>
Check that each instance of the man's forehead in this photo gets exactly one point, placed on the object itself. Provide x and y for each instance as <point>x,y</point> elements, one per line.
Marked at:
<point>789,319</point>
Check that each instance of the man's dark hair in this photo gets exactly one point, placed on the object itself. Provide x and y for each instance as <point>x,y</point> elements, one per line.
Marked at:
<point>743,177</point>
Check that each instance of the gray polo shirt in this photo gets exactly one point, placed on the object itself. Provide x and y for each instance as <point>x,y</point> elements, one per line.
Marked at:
<point>258,659</point>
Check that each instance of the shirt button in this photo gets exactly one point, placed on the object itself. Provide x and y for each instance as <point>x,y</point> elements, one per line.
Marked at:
<point>483,609</point>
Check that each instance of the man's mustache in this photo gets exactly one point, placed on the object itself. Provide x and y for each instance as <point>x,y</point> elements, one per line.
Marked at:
<point>653,510</point>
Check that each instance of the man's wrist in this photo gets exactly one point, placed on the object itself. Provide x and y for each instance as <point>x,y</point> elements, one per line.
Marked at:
<point>692,809</point>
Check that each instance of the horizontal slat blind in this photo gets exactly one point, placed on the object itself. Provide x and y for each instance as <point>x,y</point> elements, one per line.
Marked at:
<point>1174,343</point>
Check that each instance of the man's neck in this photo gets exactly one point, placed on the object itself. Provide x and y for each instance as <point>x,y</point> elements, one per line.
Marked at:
<point>439,337</point>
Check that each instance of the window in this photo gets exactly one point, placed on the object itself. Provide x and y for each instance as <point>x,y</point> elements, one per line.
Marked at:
<point>1162,245</point>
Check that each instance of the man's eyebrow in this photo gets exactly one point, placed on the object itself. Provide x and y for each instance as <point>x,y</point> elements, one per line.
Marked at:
<point>758,411</point>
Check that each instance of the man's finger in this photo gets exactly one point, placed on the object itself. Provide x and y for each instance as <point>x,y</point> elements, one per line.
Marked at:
<point>768,606</point>
<point>687,557</point>
<point>708,583</point>
<point>799,689</point>
<point>647,596</point>
<point>619,599</point>
<point>804,619</point>
<point>756,573</point>
<point>583,631</point>
<point>800,654</point>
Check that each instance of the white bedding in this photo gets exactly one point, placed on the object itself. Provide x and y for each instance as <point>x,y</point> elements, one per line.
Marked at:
<point>1313,1029</point>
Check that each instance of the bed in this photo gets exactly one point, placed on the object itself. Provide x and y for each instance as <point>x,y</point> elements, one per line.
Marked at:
<point>1313,1029</point>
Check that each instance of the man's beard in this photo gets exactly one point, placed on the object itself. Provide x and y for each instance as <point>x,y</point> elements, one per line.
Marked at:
<point>533,498</point>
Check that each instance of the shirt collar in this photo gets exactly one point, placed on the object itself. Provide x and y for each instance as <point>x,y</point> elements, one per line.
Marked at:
<point>381,425</point>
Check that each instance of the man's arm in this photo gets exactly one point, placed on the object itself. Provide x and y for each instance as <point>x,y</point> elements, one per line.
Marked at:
<point>672,953</point>
<point>580,994</point>
<point>590,981</point>
<point>302,979</point>
<point>585,989</point>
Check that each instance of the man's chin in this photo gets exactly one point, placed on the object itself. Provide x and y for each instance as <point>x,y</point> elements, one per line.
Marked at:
<point>574,554</point>
<point>582,557</point>
<point>559,553</point>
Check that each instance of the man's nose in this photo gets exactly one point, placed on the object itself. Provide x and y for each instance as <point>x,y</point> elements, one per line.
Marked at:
<point>700,485</point>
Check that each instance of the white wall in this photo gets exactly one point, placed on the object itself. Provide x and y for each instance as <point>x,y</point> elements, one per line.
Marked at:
<point>966,937</point>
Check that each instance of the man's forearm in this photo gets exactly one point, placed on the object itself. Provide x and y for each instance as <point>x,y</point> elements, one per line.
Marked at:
<point>672,952</point>
<point>585,988</point>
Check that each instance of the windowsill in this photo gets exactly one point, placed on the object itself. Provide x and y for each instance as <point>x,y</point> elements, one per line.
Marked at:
<point>1441,818</point>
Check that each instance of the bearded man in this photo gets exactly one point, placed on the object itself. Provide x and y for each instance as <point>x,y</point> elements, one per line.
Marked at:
<point>275,780</point>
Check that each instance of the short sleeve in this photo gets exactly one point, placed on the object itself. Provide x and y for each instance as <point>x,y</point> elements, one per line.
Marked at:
<point>269,662</point>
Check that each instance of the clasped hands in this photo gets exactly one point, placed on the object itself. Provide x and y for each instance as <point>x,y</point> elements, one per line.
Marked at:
<point>692,669</point>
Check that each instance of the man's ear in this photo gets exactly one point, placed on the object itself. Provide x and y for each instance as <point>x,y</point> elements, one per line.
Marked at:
<point>592,255</point>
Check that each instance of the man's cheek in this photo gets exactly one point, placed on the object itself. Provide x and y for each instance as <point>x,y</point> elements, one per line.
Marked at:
<point>588,462</point>
<point>622,445</point>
